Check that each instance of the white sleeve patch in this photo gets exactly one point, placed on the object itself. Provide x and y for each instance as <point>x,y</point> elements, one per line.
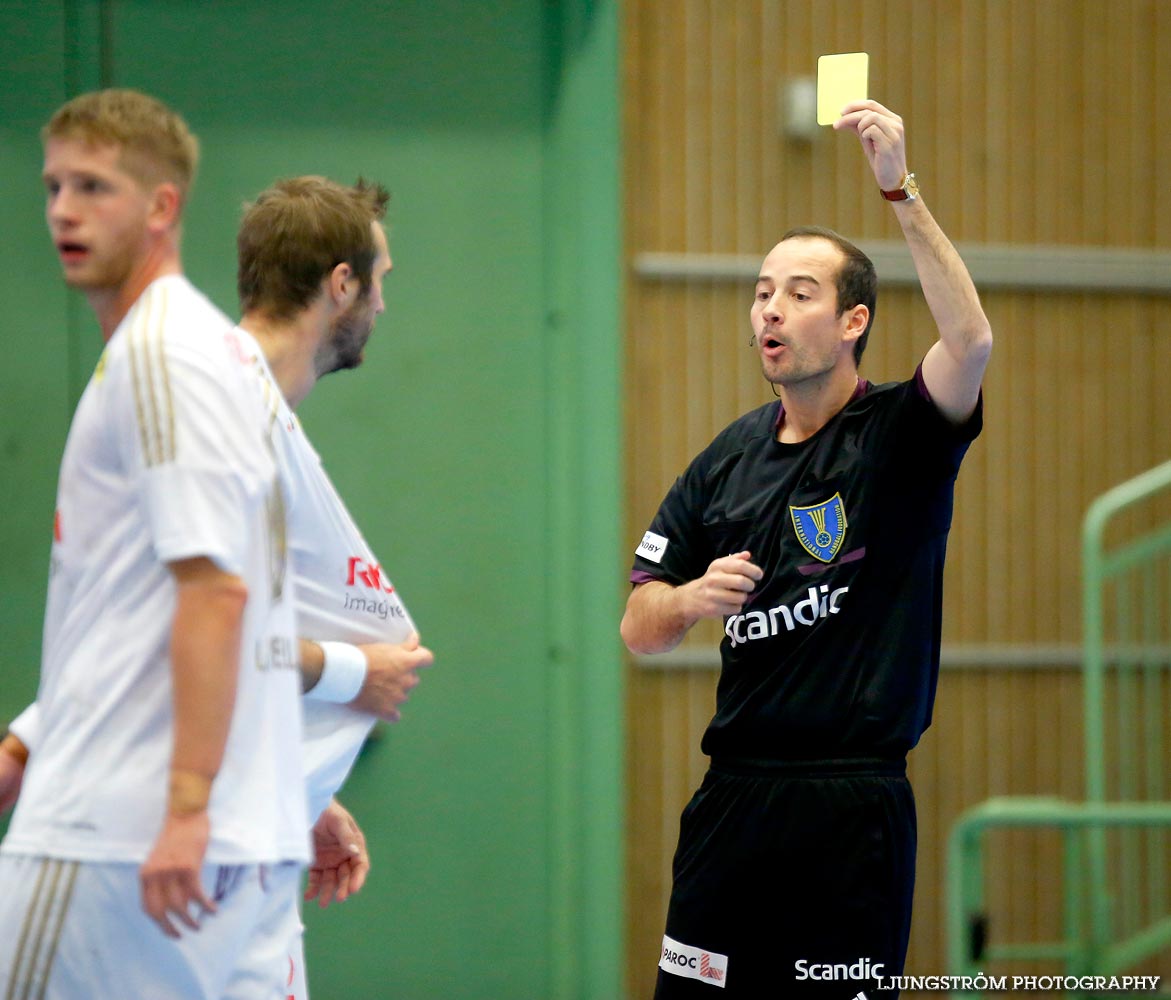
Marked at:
<point>652,547</point>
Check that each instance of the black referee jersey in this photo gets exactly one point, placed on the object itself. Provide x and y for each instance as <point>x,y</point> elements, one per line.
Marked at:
<point>836,652</point>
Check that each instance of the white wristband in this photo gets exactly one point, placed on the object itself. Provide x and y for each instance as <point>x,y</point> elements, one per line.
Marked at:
<point>26,727</point>
<point>342,676</point>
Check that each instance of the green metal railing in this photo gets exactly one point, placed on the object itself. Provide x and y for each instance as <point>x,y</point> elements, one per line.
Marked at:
<point>1115,844</point>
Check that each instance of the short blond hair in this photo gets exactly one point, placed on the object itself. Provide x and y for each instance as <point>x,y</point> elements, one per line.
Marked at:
<point>157,145</point>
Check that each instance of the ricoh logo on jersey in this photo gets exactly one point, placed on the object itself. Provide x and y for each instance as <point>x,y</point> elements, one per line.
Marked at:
<point>367,574</point>
<point>364,577</point>
<point>820,602</point>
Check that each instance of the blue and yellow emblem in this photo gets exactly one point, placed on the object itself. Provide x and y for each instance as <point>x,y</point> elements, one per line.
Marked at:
<point>821,528</point>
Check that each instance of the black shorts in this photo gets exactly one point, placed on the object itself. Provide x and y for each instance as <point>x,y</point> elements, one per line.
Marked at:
<point>792,880</point>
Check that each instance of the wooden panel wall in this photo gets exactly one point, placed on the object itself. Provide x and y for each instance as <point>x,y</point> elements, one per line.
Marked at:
<point>1029,121</point>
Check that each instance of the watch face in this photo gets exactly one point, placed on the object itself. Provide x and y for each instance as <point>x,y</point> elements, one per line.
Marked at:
<point>911,186</point>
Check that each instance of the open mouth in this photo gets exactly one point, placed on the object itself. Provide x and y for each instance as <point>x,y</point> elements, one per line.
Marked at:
<point>69,250</point>
<point>771,343</point>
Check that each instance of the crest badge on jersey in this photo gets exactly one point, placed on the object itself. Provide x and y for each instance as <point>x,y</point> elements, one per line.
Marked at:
<point>821,528</point>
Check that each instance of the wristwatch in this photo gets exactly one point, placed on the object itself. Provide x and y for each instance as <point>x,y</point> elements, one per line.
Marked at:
<point>907,191</point>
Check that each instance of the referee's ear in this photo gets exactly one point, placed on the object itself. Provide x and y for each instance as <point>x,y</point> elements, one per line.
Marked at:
<point>857,318</point>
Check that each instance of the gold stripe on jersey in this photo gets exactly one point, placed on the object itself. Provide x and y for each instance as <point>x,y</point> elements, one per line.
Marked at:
<point>136,381</point>
<point>151,330</point>
<point>168,401</point>
<point>274,504</point>
<point>66,897</point>
<point>39,933</point>
<point>272,400</point>
<point>148,367</point>
<point>40,912</point>
<point>18,956</point>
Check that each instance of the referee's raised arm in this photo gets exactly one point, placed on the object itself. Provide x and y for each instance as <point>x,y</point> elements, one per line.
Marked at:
<point>954,366</point>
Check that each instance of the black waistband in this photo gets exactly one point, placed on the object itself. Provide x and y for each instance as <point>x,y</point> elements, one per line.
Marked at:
<point>851,766</point>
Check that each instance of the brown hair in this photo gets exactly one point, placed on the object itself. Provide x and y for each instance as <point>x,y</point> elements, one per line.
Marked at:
<point>857,282</point>
<point>156,143</point>
<point>298,231</point>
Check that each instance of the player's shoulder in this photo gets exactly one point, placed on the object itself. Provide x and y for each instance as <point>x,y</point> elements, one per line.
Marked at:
<point>174,324</point>
<point>186,318</point>
<point>172,311</point>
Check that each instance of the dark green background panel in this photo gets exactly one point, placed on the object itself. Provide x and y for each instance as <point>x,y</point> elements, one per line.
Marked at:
<point>34,379</point>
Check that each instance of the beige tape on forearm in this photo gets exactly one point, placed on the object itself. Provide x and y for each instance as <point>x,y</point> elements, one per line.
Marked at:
<point>188,792</point>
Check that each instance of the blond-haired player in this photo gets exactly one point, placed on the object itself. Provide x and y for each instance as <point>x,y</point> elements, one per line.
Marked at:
<point>312,259</point>
<point>165,789</point>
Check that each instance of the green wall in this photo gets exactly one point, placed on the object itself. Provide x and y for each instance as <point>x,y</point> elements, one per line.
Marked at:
<point>478,445</point>
<point>35,400</point>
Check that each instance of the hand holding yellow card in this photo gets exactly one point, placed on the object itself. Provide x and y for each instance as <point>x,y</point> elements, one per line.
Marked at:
<point>841,80</point>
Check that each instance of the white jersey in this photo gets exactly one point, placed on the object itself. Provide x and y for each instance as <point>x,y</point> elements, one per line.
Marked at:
<point>26,727</point>
<point>168,457</point>
<point>343,595</point>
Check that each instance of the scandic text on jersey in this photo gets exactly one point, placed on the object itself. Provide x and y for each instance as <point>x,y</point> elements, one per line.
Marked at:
<point>820,602</point>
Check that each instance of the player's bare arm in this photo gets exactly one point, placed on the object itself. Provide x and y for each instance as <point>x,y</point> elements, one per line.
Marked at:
<point>205,650</point>
<point>13,757</point>
<point>392,672</point>
<point>340,858</point>
<point>658,615</point>
<point>954,367</point>
<point>312,663</point>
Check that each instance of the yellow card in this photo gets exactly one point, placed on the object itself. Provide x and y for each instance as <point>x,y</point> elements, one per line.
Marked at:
<point>841,80</point>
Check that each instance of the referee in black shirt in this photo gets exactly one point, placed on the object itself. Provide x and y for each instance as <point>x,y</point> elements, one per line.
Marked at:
<point>815,527</point>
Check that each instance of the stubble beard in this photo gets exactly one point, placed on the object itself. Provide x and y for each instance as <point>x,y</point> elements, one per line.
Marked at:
<point>792,370</point>
<point>342,348</point>
<point>99,274</point>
